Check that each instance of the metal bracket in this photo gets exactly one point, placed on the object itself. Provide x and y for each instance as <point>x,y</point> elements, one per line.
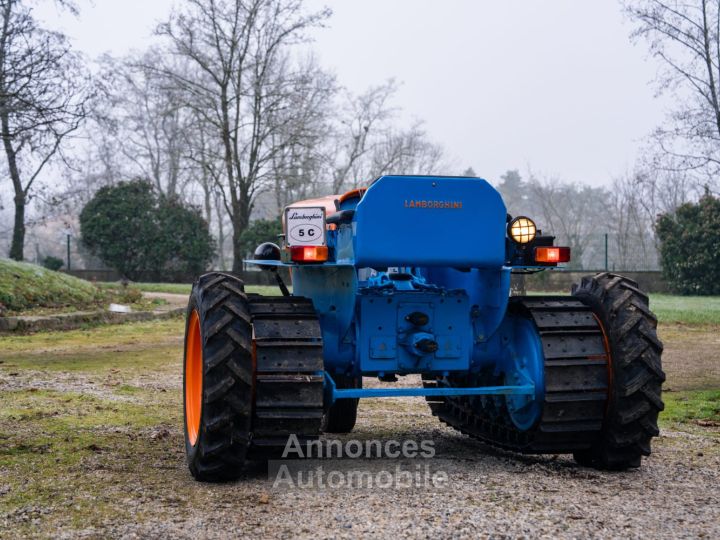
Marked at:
<point>526,389</point>
<point>335,393</point>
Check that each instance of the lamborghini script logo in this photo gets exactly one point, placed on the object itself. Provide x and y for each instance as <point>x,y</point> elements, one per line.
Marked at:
<point>452,205</point>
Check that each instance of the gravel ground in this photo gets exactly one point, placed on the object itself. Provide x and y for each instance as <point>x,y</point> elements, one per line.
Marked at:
<point>139,471</point>
<point>488,494</point>
<point>173,300</point>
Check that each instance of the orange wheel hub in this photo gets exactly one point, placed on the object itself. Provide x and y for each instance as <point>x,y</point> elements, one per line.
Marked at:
<point>193,377</point>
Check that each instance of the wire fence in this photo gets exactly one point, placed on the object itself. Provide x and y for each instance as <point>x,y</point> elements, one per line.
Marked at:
<point>609,251</point>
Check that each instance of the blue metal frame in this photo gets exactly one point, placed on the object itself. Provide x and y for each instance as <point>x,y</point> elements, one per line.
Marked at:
<point>525,389</point>
<point>447,238</point>
<point>333,393</point>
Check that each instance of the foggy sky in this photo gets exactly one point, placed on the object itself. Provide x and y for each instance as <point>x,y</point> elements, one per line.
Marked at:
<point>553,85</point>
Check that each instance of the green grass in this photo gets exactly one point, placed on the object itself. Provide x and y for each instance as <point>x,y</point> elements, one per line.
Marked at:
<point>184,288</point>
<point>694,310</point>
<point>140,345</point>
<point>686,309</point>
<point>108,428</point>
<point>172,288</point>
<point>29,289</point>
<point>75,456</point>
<point>24,286</point>
<point>698,406</point>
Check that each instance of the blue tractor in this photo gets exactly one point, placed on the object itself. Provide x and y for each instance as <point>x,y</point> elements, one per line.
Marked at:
<point>412,276</point>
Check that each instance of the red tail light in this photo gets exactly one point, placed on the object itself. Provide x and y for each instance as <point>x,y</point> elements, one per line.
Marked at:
<point>552,255</point>
<point>309,253</point>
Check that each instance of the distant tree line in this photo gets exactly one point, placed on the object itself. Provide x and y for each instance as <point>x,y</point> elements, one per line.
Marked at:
<point>666,208</point>
<point>230,116</point>
<point>677,184</point>
<point>580,216</point>
<point>231,111</point>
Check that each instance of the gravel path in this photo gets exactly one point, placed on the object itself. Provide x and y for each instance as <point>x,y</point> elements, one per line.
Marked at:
<point>489,493</point>
<point>173,300</point>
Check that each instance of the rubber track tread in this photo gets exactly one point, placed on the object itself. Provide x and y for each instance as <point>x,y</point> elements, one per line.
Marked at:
<point>288,377</point>
<point>558,431</point>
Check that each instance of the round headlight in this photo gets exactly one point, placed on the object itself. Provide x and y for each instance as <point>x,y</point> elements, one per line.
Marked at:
<point>522,230</point>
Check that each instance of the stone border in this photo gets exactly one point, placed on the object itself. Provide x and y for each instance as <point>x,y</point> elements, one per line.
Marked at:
<point>72,321</point>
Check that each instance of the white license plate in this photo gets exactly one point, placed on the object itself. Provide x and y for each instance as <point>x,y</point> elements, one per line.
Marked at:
<point>305,226</point>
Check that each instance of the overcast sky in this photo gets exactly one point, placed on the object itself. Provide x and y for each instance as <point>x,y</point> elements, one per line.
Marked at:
<point>554,85</point>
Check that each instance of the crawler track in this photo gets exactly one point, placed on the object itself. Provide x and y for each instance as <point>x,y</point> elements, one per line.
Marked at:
<point>576,383</point>
<point>288,359</point>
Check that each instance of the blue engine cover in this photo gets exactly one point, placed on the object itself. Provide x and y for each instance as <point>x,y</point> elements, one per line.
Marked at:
<point>430,221</point>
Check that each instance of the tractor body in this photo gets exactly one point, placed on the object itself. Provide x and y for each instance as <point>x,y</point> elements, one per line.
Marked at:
<point>412,276</point>
<point>417,281</point>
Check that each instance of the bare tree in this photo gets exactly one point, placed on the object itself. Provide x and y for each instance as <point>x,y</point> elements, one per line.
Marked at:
<point>207,173</point>
<point>406,152</point>
<point>244,84</point>
<point>630,225</point>
<point>366,142</point>
<point>297,164</point>
<point>575,213</point>
<point>146,115</point>
<point>42,100</point>
<point>685,36</point>
<point>97,162</point>
<point>360,117</point>
<point>299,172</point>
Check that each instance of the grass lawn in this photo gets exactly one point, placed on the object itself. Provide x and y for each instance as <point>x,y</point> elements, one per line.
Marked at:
<point>29,289</point>
<point>184,288</point>
<point>25,286</point>
<point>693,310</point>
<point>701,407</point>
<point>85,416</point>
<point>686,309</point>
<point>172,288</point>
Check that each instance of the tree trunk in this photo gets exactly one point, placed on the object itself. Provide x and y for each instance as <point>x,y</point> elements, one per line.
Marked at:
<point>18,239</point>
<point>237,266</point>
<point>219,209</point>
<point>240,221</point>
<point>221,243</point>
